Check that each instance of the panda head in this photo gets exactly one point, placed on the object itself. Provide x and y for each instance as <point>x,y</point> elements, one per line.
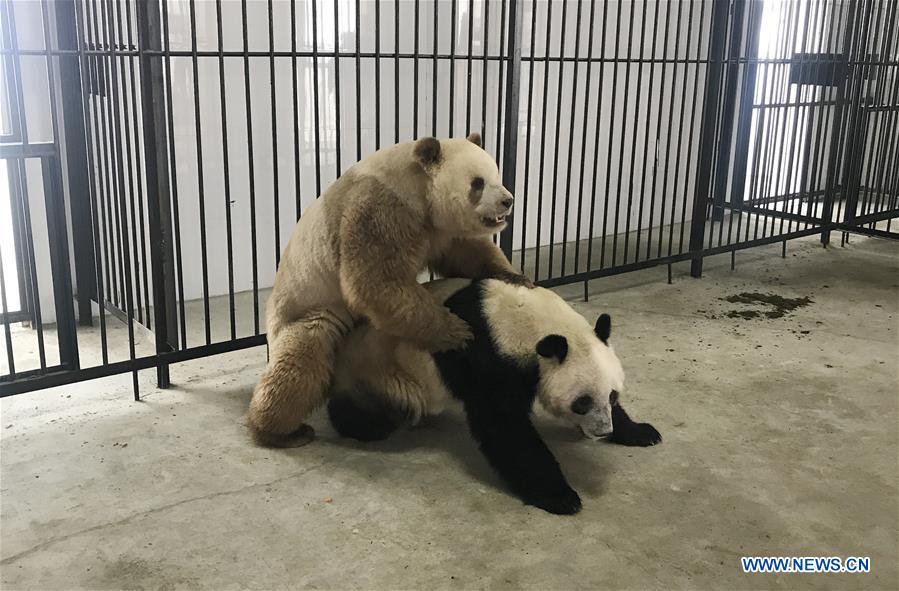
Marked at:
<point>580,377</point>
<point>467,193</point>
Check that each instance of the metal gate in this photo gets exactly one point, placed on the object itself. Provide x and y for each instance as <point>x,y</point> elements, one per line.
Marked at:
<point>157,153</point>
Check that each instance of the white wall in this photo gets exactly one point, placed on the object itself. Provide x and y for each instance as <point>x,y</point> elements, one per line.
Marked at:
<point>642,108</point>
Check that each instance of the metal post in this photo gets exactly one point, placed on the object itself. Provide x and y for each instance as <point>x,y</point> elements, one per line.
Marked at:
<point>720,10</point>
<point>510,123</point>
<point>727,116</point>
<point>74,152</point>
<point>60,267</point>
<point>152,91</point>
<point>854,34</point>
<point>744,125</point>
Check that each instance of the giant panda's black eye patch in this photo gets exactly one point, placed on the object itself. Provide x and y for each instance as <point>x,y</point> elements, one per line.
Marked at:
<point>553,346</point>
<point>477,183</point>
<point>582,405</point>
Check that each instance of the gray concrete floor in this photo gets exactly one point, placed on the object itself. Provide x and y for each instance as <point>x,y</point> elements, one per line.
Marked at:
<point>781,437</point>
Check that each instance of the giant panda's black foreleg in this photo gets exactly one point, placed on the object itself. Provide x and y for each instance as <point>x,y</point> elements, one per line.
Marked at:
<point>363,423</point>
<point>514,448</point>
<point>626,432</point>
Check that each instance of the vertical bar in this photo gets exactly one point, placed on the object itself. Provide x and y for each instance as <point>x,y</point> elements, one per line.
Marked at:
<point>21,190</point>
<point>101,116</point>
<point>273,89</point>
<point>201,193</point>
<point>558,133</point>
<point>599,102</point>
<point>90,128</point>
<point>229,241</point>
<point>66,332</point>
<point>549,26</point>
<point>163,112</point>
<point>692,124</point>
<point>377,73</point>
<point>54,200</point>
<point>527,140</point>
<point>122,210</point>
<point>468,60</point>
<point>315,97</point>
<point>760,147</point>
<point>707,142</point>
<point>500,78</point>
<point>782,97</point>
<point>107,44</point>
<point>359,78</point>
<point>747,94</point>
<point>881,98</point>
<point>10,353</point>
<point>818,97</point>
<point>669,141</point>
<point>338,144</point>
<point>605,204</point>
<point>485,72</point>
<point>137,142</point>
<point>396,72</point>
<point>452,68</point>
<point>857,122</point>
<point>295,108</point>
<point>633,158</point>
<point>75,154</point>
<point>838,137</point>
<point>646,151</point>
<point>434,73</point>
<point>132,162</point>
<point>624,117</point>
<point>414,73</point>
<point>251,167</point>
<point>582,168</point>
<point>510,127</point>
<point>571,128</point>
<point>728,118</point>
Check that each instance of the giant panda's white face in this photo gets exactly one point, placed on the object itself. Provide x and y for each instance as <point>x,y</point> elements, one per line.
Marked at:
<point>580,378</point>
<point>468,195</point>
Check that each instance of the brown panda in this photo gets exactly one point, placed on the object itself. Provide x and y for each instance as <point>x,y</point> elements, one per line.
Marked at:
<point>355,254</point>
<point>528,344</point>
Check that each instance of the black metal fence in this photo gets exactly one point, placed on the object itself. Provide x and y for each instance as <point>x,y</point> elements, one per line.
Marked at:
<point>157,153</point>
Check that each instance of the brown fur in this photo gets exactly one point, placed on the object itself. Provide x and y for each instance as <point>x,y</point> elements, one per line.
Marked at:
<point>355,254</point>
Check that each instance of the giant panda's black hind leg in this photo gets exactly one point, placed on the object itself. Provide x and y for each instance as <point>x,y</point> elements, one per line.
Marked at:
<point>626,432</point>
<point>351,420</point>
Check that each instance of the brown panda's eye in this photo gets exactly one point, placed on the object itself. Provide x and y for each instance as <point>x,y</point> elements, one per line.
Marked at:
<point>477,184</point>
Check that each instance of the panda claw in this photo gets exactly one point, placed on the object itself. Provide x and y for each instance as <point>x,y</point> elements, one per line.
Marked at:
<point>567,503</point>
<point>638,435</point>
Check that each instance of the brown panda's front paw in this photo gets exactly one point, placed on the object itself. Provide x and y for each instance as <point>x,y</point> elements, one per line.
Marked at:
<point>513,278</point>
<point>454,334</point>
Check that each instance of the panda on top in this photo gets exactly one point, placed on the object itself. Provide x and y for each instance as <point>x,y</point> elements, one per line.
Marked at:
<point>528,343</point>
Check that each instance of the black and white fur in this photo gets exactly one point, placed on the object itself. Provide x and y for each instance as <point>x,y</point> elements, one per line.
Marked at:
<point>528,344</point>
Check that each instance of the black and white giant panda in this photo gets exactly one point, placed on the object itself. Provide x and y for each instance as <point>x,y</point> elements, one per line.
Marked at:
<point>528,344</point>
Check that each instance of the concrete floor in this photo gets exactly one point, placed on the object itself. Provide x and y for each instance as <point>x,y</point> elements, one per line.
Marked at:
<point>781,437</point>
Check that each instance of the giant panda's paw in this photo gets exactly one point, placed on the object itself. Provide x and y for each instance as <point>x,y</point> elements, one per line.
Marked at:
<point>637,435</point>
<point>565,503</point>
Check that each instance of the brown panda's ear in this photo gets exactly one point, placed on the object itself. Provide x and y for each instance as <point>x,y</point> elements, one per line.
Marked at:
<point>427,151</point>
<point>475,138</point>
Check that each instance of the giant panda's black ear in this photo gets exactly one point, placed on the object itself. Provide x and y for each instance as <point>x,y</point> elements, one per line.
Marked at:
<point>603,328</point>
<point>475,138</point>
<point>553,346</point>
<point>427,151</point>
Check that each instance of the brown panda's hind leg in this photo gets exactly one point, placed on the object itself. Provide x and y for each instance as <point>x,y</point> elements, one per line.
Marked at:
<point>296,380</point>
